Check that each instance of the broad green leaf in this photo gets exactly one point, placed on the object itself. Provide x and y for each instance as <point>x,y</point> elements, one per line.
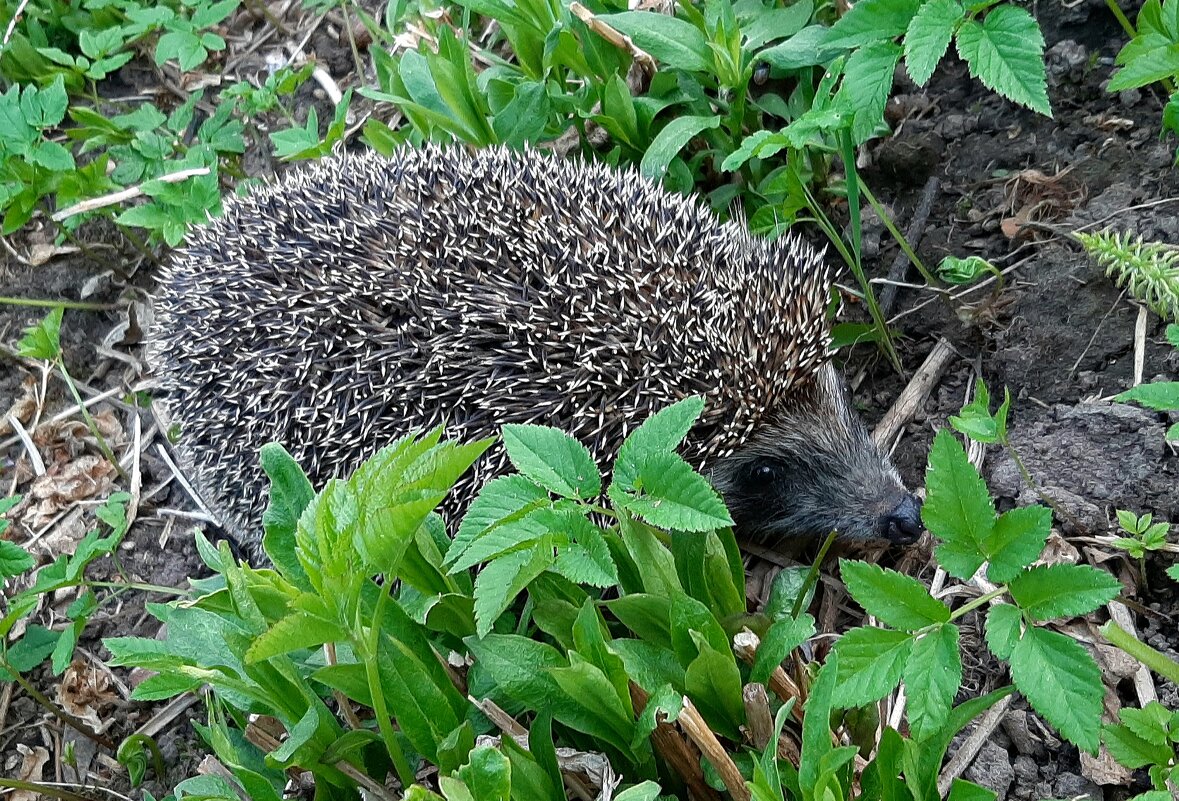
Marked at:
<point>671,140</point>
<point>958,509</point>
<point>514,534</point>
<point>900,601</point>
<point>867,83</point>
<point>928,37</point>
<point>1162,396</point>
<point>290,494</point>
<point>674,496</point>
<point>871,662</point>
<point>871,21</point>
<point>648,665</point>
<point>488,774</point>
<point>676,43</point>
<point>501,500</point>
<point>689,616</point>
<point>816,724</point>
<point>1004,628</point>
<point>1131,750</point>
<point>659,433</point>
<point>14,559</point>
<point>782,637</point>
<point>807,48</point>
<point>502,580</point>
<point>962,790</point>
<point>294,632</point>
<point>553,459</point>
<point>1006,53</point>
<point>713,682</point>
<point>932,676</point>
<point>1051,591</point>
<point>1153,723</point>
<point>519,666</point>
<point>524,118</point>
<point>647,615</point>
<point>646,791</point>
<point>1062,682</point>
<point>1147,58</point>
<point>591,704</point>
<point>587,559</point>
<point>1016,541</point>
<point>769,24</point>
<point>664,704</point>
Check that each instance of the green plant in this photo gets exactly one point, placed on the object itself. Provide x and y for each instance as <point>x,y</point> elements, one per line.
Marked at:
<point>1152,54</point>
<point>1162,396</point>
<point>1144,534</point>
<point>1147,269</point>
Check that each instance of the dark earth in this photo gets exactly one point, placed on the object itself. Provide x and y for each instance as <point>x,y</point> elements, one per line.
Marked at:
<point>1060,336</point>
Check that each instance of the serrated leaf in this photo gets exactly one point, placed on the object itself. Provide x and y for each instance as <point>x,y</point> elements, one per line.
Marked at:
<point>1062,682</point>
<point>1153,723</point>
<point>501,581</point>
<point>928,37</point>
<point>1006,53</point>
<point>1016,541</point>
<point>553,459</point>
<point>958,509</point>
<point>512,535</point>
<point>1133,751</point>
<point>14,559</point>
<point>867,83</point>
<point>501,499</point>
<point>676,497</point>
<point>671,140</point>
<point>871,21</point>
<point>1162,396</point>
<point>782,637</point>
<point>676,43</point>
<point>900,601</point>
<point>871,662</point>
<point>1004,627</point>
<point>1051,591</point>
<point>661,432</point>
<point>587,559</point>
<point>294,632</point>
<point>43,340</point>
<point>1148,57</point>
<point>932,676</point>
<point>519,666</point>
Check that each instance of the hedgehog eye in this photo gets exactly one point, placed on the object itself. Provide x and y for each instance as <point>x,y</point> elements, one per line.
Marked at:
<point>763,473</point>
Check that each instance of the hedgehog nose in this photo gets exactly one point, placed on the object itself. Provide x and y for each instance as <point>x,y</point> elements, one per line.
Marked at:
<point>903,524</point>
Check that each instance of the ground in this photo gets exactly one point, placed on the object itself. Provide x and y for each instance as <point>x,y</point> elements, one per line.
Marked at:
<point>1060,336</point>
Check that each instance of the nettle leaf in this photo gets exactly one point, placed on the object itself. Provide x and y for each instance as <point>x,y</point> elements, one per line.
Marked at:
<point>553,459</point>
<point>932,676</point>
<point>928,37</point>
<point>676,497</point>
<point>900,601</point>
<point>1162,396</point>
<point>1016,540</point>
<point>1051,591</point>
<point>659,433</point>
<point>676,43</point>
<point>1004,628</point>
<point>871,662</point>
<point>867,82</point>
<point>671,140</point>
<point>958,509</point>
<point>871,21</point>
<point>1006,53</point>
<point>501,581</point>
<point>1062,682</point>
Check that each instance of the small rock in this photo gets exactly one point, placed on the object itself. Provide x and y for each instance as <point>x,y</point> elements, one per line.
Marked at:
<point>992,769</point>
<point>1129,97</point>
<point>1078,788</point>
<point>1026,770</point>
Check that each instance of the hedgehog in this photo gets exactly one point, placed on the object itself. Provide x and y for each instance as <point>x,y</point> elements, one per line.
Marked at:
<point>363,297</point>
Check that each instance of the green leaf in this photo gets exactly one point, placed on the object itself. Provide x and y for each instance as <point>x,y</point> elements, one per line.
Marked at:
<point>1006,53</point>
<point>1148,57</point>
<point>590,704</point>
<point>1051,591</point>
<point>293,632</point>
<point>290,493</point>
<point>646,791</point>
<point>867,83</point>
<point>52,156</point>
<point>676,497</point>
<point>1133,751</point>
<point>1162,396</point>
<point>553,459</point>
<point>871,21</point>
<point>661,432</point>
<point>871,662</point>
<point>1062,682</point>
<point>519,666</point>
<point>524,118</point>
<point>488,775</point>
<point>807,48</point>
<point>957,509</point>
<point>676,43</point>
<point>713,682</point>
<point>14,559</point>
<point>1153,723</point>
<point>43,340</point>
<point>900,601</point>
<point>671,140</point>
<point>32,649</point>
<point>782,637</point>
<point>1004,628</point>
<point>769,24</point>
<point>928,37</point>
<point>816,724</point>
<point>501,581</point>
<point>1016,541</point>
<point>932,675</point>
<point>503,499</point>
<point>962,790</point>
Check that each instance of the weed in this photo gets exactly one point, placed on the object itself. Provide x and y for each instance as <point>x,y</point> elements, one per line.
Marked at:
<point>1148,270</point>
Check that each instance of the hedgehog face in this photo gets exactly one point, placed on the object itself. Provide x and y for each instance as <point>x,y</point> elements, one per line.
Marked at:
<point>814,468</point>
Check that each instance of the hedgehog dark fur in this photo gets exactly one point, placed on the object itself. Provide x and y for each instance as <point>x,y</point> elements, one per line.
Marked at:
<point>362,297</point>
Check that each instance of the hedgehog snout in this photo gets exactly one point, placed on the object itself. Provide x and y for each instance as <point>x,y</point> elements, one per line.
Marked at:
<point>903,524</point>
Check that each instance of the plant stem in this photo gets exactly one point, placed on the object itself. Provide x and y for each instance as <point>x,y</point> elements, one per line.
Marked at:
<point>53,304</point>
<point>102,444</point>
<point>1127,26</point>
<point>372,673</point>
<point>812,575</point>
<point>65,717</point>
<point>967,608</point>
<point>46,790</point>
<point>899,237</point>
<point>1155,660</point>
